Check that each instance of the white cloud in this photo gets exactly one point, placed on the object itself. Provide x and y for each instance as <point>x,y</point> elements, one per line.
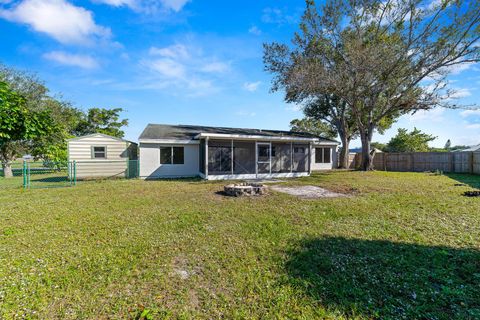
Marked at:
<point>59,19</point>
<point>215,67</point>
<point>434,115</point>
<point>251,86</point>
<point>175,5</point>
<point>255,30</point>
<point>68,59</point>
<point>473,126</point>
<point>470,113</point>
<point>277,16</point>
<point>118,3</point>
<point>168,68</point>
<point>460,93</point>
<point>177,51</point>
<point>147,6</point>
<point>184,68</point>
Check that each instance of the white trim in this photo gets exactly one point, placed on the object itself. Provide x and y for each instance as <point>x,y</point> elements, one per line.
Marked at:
<point>169,141</point>
<point>325,143</point>
<point>255,176</point>
<point>99,134</point>
<point>252,137</point>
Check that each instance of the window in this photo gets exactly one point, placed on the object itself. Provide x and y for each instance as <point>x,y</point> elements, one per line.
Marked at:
<point>274,152</point>
<point>177,155</point>
<point>298,150</point>
<point>323,155</point>
<point>99,152</point>
<point>165,155</point>
<point>171,155</point>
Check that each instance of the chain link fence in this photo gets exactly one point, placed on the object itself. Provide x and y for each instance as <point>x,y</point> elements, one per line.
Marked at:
<point>49,174</point>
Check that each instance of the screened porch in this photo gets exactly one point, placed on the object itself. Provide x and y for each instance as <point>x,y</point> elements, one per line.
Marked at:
<point>253,159</point>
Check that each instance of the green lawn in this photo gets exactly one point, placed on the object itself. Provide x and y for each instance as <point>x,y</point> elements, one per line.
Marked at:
<point>403,246</point>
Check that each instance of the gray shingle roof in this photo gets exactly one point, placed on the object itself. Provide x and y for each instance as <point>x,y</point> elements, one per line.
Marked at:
<point>188,132</point>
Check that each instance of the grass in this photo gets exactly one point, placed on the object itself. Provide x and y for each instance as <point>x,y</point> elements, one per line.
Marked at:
<point>403,246</point>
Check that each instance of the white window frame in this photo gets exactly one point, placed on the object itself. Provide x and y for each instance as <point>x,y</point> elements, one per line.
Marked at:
<point>92,150</point>
<point>171,156</point>
<point>323,155</point>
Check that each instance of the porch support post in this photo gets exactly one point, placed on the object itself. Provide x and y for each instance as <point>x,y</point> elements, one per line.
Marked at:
<point>256,159</point>
<point>291,156</point>
<point>310,158</point>
<point>270,158</point>
<point>206,158</point>
<point>231,156</point>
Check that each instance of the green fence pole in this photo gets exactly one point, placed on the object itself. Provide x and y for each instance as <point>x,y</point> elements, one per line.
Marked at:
<point>74,172</point>
<point>138,168</point>
<point>24,173</point>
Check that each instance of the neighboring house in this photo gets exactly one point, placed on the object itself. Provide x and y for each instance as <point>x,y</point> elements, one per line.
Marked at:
<point>231,153</point>
<point>100,155</point>
<point>471,149</point>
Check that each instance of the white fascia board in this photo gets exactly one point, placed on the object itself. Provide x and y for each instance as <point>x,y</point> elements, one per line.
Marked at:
<point>252,137</point>
<point>169,141</point>
<point>325,143</point>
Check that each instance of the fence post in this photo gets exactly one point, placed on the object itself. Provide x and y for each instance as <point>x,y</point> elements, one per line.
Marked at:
<point>138,168</point>
<point>470,164</point>
<point>24,174</point>
<point>127,173</point>
<point>74,172</point>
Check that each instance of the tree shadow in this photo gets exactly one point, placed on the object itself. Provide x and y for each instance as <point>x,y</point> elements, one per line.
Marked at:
<point>387,280</point>
<point>465,179</point>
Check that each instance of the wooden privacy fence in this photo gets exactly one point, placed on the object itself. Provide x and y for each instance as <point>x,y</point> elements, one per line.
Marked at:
<point>454,162</point>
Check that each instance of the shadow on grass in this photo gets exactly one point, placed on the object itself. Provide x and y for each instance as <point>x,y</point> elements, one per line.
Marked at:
<point>466,179</point>
<point>386,280</point>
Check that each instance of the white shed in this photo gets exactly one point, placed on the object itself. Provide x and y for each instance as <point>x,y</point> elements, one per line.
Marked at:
<point>101,155</point>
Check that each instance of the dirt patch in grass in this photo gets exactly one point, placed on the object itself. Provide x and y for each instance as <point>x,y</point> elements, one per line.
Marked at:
<point>308,192</point>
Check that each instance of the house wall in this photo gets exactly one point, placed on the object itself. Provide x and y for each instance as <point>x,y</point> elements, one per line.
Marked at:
<point>325,166</point>
<point>115,163</point>
<point>151,168</point>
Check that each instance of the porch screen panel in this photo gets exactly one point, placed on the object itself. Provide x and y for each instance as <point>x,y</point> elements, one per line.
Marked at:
<point>219,157</point>
<point>281,158</point>
<point>243,157</point>
<point>300,157</point>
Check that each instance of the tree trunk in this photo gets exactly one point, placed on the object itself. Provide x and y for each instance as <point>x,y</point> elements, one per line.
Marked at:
<point>343,161</point>
<point>367,156</point>
<point>7,170</point>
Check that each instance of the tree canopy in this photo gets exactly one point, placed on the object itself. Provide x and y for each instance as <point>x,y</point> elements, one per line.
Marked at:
<point>414,141</point>
<point>19,125</point>
<point>313,126</point>
<point>383,58</point>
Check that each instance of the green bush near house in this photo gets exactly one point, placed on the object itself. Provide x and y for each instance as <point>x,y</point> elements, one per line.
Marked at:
<point>402,246</point>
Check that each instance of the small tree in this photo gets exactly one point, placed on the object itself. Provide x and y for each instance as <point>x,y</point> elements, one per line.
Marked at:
<point>414,141</point>
<point>17,125</point>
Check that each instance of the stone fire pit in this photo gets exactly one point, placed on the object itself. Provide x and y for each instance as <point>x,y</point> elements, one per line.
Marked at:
<point>245,189</point>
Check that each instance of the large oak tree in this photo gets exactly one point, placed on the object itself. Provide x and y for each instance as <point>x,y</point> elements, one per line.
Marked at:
<point>383,58</point>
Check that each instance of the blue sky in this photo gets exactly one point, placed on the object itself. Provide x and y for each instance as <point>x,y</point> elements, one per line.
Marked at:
<point>182,62</point>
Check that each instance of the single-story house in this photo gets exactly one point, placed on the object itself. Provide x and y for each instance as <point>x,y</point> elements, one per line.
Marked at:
<point>101,155</point>
<point>168,151</point>
<point>471,149</point>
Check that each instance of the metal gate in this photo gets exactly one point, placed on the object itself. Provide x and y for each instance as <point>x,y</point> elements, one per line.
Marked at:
<point>48,174</point>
